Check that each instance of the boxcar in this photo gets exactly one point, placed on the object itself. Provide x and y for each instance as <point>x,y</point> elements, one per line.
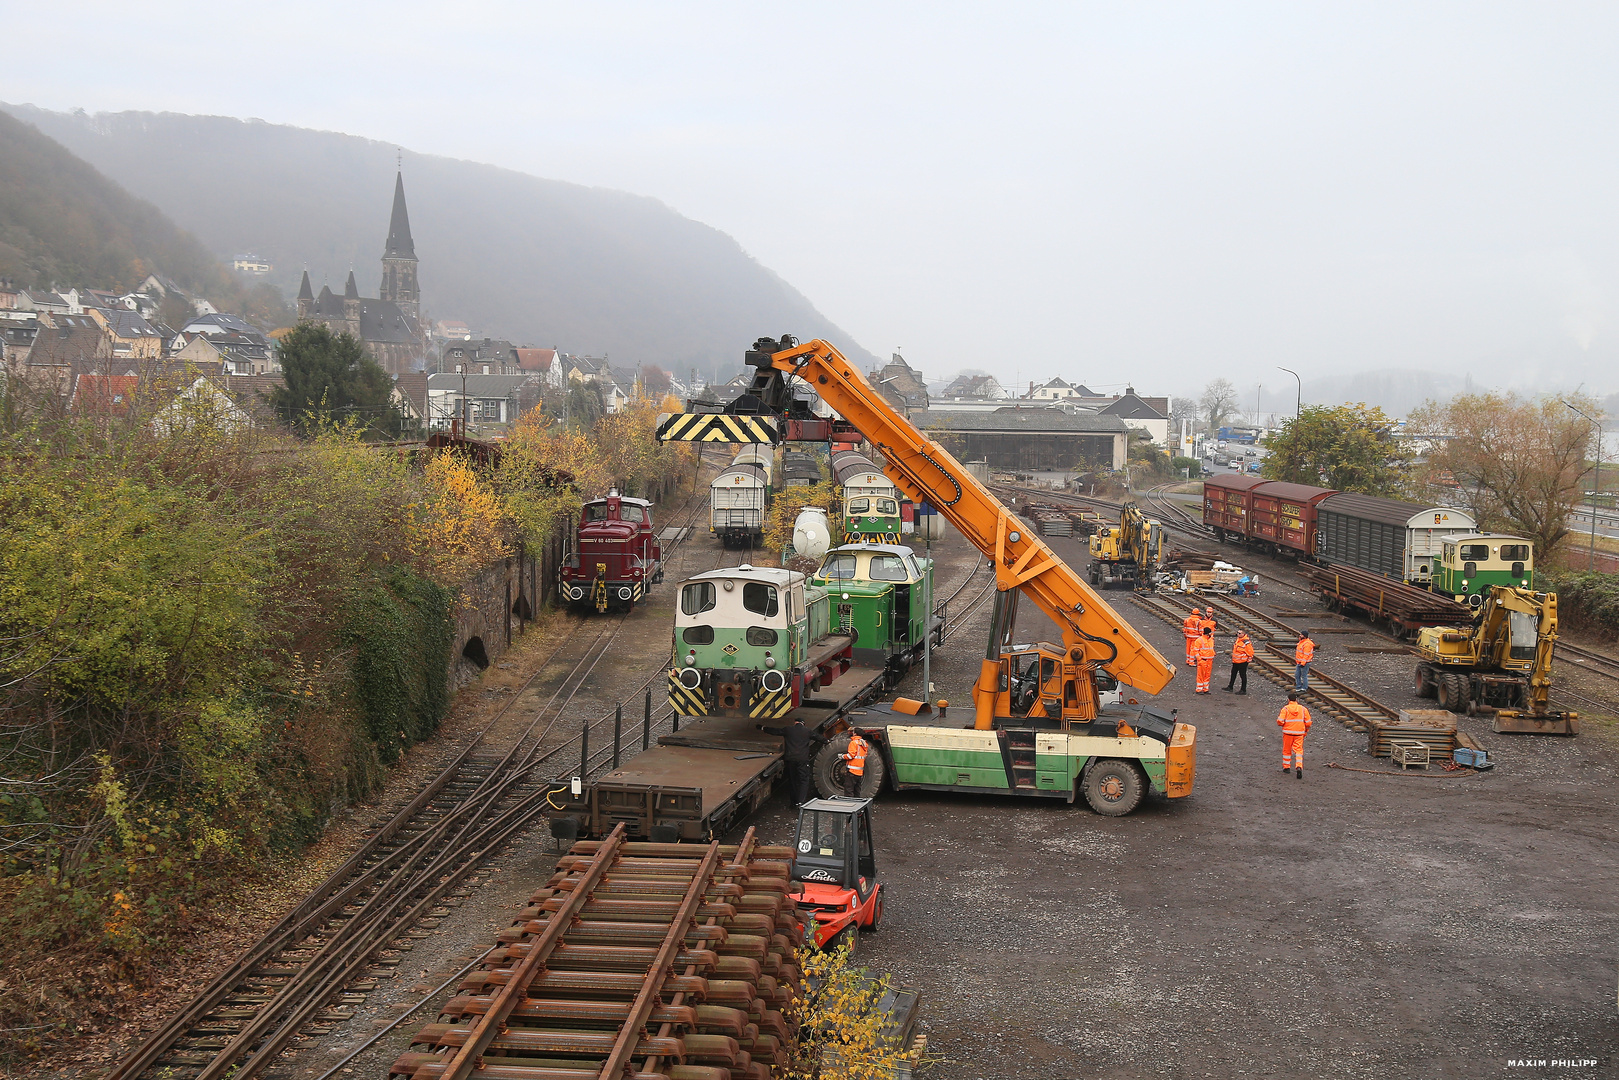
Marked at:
<point>737,498</point>
<point>1282,517</point>
<point>1398,539</point>
<point>798,467</point>
<point>1225,504</point>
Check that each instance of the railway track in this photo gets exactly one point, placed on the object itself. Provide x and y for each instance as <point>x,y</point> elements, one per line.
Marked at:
<point>1356,710</point>
<point>1589,660</point>
<point>308,972</point>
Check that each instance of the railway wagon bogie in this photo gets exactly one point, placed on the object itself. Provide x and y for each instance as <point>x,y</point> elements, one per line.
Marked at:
<point>614,555</point>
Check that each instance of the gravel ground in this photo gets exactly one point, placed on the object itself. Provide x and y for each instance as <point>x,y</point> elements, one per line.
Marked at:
<point>1345,925</point>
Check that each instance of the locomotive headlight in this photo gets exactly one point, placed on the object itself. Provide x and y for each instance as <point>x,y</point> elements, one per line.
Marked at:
<point>691,678</point>
<point>773,681</point>
<point>691,659</point>
<point>576,593</point>
<point>770,661</point>
<point>624,594</point>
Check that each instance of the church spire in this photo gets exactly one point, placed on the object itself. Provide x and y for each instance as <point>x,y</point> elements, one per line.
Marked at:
<point>304,291</point>
<point>351,288</point>
<point>400,245</point>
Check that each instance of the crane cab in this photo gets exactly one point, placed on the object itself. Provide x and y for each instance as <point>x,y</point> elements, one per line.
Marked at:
<point>835,868</point>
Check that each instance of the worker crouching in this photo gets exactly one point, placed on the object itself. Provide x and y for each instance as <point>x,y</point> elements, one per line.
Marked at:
<point>1294,720</point>
<point>1205,660</point>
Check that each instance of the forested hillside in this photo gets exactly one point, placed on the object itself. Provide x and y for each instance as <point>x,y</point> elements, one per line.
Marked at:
<point>538,261</point>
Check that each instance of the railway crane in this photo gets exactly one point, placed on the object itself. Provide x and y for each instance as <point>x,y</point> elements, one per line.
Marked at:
<point>1039,727</point>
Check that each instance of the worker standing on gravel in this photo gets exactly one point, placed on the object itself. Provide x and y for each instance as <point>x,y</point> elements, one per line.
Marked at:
<point>1302,655</point>
<point>855,759</point>
<point>1205,660</point>
<point>797,744</point>
<point>1192,627</point>
<point>1294,720</point>
<point>1242,651</point>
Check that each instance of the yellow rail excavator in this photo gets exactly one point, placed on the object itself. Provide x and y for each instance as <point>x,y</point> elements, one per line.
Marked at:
<point>1128,553</point>
<point>1501,665</point>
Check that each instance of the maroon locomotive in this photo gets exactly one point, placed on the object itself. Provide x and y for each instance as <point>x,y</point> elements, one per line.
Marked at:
<point>615,555</point>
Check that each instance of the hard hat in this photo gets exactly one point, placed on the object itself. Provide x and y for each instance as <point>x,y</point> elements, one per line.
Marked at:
<point>1197,611</point>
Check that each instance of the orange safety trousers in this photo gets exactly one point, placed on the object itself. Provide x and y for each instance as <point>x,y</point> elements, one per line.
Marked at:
<point>1292,750</point>
<point>1205,670</point>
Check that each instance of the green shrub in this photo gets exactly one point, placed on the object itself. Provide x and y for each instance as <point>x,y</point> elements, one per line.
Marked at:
<point>1587,601</point>
<point>399,627</point>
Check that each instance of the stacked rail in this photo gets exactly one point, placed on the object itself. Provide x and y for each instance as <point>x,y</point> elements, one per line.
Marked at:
<point>1054,520</point>
<point>660,961</point>
<point>1404,608</point>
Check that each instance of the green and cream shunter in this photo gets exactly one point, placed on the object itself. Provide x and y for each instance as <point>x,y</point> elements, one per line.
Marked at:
<point>883,593</point>
<point>1470,564</point>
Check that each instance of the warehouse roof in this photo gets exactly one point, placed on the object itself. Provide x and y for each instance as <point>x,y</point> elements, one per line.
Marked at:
<point>1014,420</point>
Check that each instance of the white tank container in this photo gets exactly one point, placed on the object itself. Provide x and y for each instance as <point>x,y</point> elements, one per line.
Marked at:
<point>812,532</point>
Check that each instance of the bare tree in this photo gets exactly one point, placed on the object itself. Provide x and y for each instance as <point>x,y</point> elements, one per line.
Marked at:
<point>1217,403</point>
<point>1183,408</point>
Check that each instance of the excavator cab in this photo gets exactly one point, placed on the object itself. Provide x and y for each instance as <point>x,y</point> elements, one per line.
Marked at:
<point>835,868</point>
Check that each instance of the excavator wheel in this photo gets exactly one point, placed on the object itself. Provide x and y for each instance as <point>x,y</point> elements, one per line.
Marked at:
<point>830,770</point>
<point>1113,788</point>
<point>1424,681</point>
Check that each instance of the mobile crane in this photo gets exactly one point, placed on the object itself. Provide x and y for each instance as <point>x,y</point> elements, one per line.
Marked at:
<point>1127,553</point>
<point>1039,727</point>
<point>1501,664</point>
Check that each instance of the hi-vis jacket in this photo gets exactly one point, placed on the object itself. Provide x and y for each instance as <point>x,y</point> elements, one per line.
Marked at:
<point>1294,719</point>
<point>1243,650</point>
<point>1305,651</point>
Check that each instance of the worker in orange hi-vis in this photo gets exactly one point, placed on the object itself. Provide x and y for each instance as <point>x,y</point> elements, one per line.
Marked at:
<point>1205,660</point>
<point>855,760</point>
<point>1294,720</point>
<point>1242,651</point>
<point>1302,655</point>
<point>1208,622</point>
<point>1192,627</point>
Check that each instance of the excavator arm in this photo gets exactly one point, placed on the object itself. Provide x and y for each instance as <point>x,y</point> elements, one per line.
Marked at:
<point>1093,634</point>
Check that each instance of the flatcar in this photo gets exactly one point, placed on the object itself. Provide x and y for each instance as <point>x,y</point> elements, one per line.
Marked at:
<point>1400,540</point>
<point>870,501</point>
<point>883,594</point>
<point>614,555</point>
<point>799,468</point>
<point>753,641</point>
<point>737,500</point>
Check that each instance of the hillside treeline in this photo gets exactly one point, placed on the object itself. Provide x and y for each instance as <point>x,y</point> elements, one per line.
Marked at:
<point>211,638</point>
<point>63,224</point>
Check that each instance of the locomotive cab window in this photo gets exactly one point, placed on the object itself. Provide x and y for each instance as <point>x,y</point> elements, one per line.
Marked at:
<point>760,599</point>
<point>759,635</point>
<point>859,506</point>
<point>1515,553</point>
<point>887,506</point>
<point>697,598</point>
<point>596,512</point>
<point>629,512</point>
<point>839,568</point>
<point>1475,553</point>
<point>704,635</point>
<point>888,568</point>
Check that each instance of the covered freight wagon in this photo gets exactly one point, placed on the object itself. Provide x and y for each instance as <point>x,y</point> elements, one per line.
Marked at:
<point>737,499</point>
<point>1225,504</point>
<point>1398,539</point>
<point>1282,516</point>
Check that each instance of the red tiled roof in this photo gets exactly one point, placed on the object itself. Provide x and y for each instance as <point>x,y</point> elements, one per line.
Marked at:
<point>105,395</point>
<point>535,359</point>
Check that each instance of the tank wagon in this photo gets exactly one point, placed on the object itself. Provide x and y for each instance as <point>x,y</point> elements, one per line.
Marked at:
<point>870,508</point>
<point>738,498</point>
<point>1405,541</point>
<point>615,555</point>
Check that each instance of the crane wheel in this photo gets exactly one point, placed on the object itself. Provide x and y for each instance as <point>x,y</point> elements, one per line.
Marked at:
<point>1425,683</point>
<point>1113,788</point>
<point>830,772</point>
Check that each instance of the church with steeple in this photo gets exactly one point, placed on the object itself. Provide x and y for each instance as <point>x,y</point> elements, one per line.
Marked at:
<point>389,325</point>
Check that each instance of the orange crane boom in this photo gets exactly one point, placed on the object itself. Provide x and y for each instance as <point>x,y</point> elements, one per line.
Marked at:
<point>1093,634</point>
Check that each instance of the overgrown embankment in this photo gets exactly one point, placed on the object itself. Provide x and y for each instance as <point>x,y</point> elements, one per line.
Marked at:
<point>1586,601</point>
<point>210,638</point>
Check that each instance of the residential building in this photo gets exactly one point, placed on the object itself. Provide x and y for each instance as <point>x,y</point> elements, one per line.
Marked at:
<point>1149,414</point>
<point>452,330</point>
<point>901,384</point>
<point>490,356</point>
<point>129,335</point>
<point>42,300</point>
<point>976,387</point>
<point>387,325</point>
<point>489,399</point>
<point>110,396</point>
<point>236,352</point>
<point>8,294</point>
<point>252,264</point>
<point>541,362</point>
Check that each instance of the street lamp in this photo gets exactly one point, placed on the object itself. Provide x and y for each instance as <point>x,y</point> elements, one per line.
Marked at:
<point>466,414</point>
<point>1596,484</point>
<point>1298,401</point>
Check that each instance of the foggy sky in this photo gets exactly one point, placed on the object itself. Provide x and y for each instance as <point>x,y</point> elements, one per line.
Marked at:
<point>1145,193</point>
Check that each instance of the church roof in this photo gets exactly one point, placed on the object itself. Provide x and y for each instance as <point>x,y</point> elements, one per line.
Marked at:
<point>400,245</point>
<point>304,291</point>
<point>381,321</point>
<point>351,291</point>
